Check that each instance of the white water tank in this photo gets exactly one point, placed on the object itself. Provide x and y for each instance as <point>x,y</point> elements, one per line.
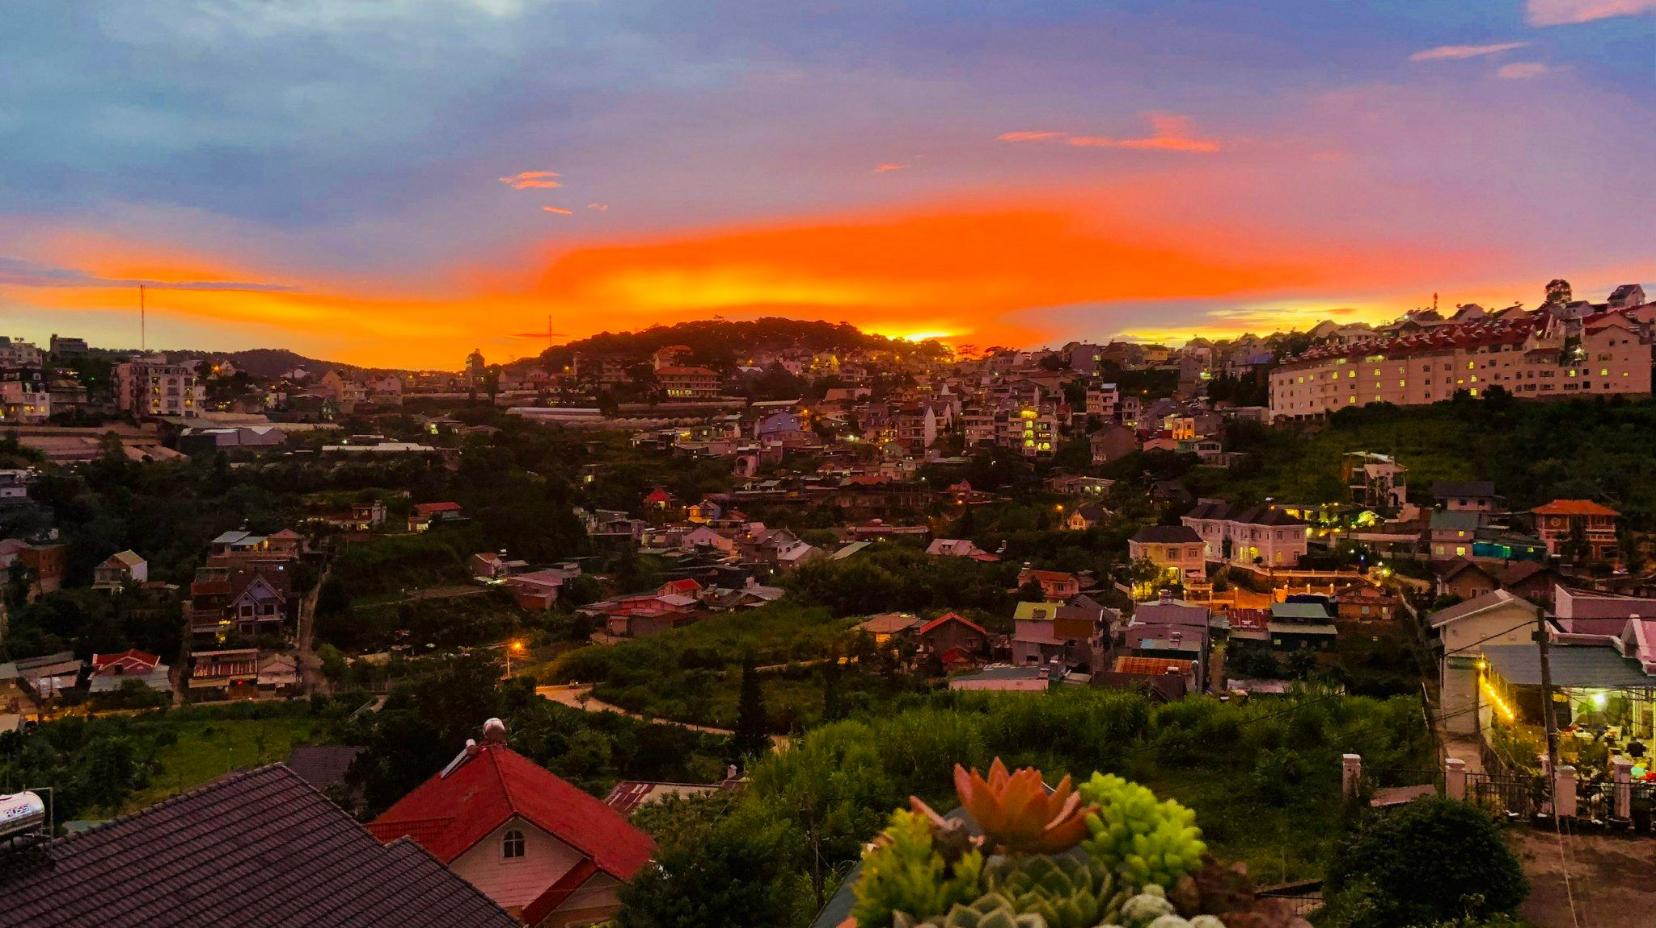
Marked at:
<point>20,812</point>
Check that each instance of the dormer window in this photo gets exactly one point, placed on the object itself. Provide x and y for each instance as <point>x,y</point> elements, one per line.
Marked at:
<point>511,845</point>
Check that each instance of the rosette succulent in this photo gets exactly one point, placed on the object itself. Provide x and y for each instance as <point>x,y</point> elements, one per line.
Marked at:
<point>1066,891</point>
<point>1016,812</point>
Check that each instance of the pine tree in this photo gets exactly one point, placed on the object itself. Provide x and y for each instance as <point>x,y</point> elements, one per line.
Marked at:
<point>750,738</point>
<point>833,704</point>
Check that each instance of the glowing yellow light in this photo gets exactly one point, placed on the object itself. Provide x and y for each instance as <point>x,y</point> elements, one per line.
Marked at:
<point>1501,706</point>
<point>517,646</point>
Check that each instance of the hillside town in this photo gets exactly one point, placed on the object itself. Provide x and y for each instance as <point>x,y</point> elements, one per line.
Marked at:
<point>456,608</point>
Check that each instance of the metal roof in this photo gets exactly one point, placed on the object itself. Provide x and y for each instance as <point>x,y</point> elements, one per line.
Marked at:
<point>1572,665</point>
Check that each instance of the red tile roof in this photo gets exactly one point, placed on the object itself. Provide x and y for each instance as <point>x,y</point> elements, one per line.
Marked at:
<point>447,815</point>
<point>951,617</point>
<point>1574,507</point>
<point>100,661</point>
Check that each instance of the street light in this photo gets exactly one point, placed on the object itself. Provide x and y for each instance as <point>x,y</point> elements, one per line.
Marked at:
<point>512,647</point>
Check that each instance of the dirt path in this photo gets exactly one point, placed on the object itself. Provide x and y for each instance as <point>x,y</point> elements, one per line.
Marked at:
<point>580,697</point>
<point>1612,878</point>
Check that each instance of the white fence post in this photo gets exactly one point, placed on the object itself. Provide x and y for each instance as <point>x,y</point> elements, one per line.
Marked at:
<point>1564,792</point>
<point>1351,774</point>
<point>1454,778</point>
<point>1624,790</point>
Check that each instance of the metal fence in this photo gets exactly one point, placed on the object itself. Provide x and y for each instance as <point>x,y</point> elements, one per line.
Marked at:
<point>1303,898</point>
<point>1516,796</point>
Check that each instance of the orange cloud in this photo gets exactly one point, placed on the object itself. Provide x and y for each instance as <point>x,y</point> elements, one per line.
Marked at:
<point>532,180</point>
<point>558,210</point>
<point>889,167</point>
<point>1168,132</point>
<point>1037,136</point>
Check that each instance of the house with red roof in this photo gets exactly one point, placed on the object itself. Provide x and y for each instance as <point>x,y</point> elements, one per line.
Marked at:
<point>539,847</point>
<point>1573,528</point>
<point>422,515</point>
<point>955,639</point>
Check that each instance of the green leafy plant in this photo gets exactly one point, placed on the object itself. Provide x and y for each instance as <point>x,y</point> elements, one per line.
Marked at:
<point>907,873</point>
<point>1143,840</point>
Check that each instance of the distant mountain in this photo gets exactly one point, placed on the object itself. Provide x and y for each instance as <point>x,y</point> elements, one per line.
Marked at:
<point>729,342</point>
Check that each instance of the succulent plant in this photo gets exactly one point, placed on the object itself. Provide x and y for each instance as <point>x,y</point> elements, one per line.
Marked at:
<point>1144,840</point>
<point>1065,890</point>
<point>990,911</point>
<point>905,873</point>
<point>1143,909</point>
<point>1017,813</point>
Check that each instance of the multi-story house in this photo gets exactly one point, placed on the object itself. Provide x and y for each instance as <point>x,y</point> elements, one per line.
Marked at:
<point>1577,529</point>
<point>1102,400</point>
<point>1375,481</point>
<point>1258,535</point>
<point>152,387</point>
<point>1177,550</point>
<point>15,352</point>
<point>66,348</point>
<point>1530,355</point>
<point>25,397</point>
<point>686,383</point>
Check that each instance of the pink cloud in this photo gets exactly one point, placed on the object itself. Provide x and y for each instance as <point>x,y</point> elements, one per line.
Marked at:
<point>889,167</point>
<point>1168,132</point>
<point>558,210</point>
<point>1460,52</point>
<point>1564,12</point>
<point>1519,70</point>
<point>598,207</point>
<point>1039,136</point>
<point>531,180</point>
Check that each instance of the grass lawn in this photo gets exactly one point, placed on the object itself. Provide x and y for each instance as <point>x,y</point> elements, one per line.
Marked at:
<point>208,749</point>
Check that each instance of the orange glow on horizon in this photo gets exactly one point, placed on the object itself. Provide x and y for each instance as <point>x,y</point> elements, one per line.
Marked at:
<point>985,273</point>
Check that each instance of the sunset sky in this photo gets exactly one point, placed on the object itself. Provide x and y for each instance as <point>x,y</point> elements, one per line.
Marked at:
<point>399,181</point>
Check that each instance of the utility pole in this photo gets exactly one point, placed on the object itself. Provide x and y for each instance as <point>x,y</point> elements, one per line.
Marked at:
<point>1547,692</point>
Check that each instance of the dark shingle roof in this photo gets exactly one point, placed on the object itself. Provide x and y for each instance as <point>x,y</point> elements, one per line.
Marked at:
<point>1443,489</point>
<point>256,848</point>
<point>322,765</point>
<point>1166,534</point>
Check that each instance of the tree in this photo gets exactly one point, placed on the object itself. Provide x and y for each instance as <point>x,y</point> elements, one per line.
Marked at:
<point>1031,592</point>
<point>1432,860</point>
<point>751,739</point>
<point>833,704</point>
<point>1558,292</point>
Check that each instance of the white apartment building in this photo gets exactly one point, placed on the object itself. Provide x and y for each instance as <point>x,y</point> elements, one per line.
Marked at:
<point>25,398</point>
<point>1530,355</point>
<point>152,387</point>
<point>1260,535</point>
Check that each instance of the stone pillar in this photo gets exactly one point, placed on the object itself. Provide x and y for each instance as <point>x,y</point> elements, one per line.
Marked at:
<point>1546,807</point>
<point>1454,778</point>
<point>1351,774</point>
<point>1623,804</point>
<point>1564,792</point>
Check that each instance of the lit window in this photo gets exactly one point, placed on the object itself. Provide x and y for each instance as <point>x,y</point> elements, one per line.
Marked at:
<point>511,844</point>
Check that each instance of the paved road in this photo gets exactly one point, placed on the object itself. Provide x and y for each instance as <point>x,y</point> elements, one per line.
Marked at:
<point>579,696</point>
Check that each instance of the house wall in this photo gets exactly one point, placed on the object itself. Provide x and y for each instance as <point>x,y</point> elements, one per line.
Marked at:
<point>596,901</point>
<point>1457,668</point>
<point>516,883</point>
